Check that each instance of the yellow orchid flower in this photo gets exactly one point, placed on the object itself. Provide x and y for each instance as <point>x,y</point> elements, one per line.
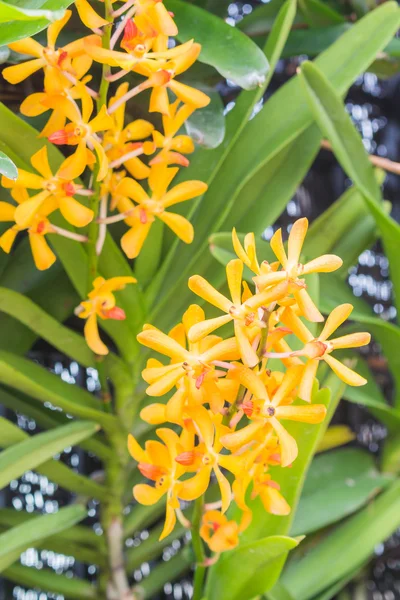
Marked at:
<point>174,146</point>
<point>320,348</point>
<point>141,217</point>
<point>206,457</point>
<point>59,64</point>
<point>58,189</point>
<point>243,314</point>
<point>121,142</point>
<point>152,16</point>
<point>101,303</point>
<point>219,533</point>
<point>266,413</point>
<point>34,221</point>
<point>157,463</point>
<point>88,15</point>
<point>194,363</point>
<point>81,132</point>
<point>293,269</point>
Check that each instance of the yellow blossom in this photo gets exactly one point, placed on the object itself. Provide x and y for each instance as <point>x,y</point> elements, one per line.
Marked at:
<point>101,303</point>
<point>219,533</point>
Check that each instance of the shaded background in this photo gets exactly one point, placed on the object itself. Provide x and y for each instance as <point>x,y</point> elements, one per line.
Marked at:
<point>373,106</point>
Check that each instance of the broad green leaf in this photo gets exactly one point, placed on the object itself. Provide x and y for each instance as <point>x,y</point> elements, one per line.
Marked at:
<point>8,12</point>
<point>333,590</point>
<point>48,419</point>
<point>390,461</point>
<point>62,338</point>
<point>215,36</point>
<point>148,261</point>
<point>7,166</point>
<point>48,581</point>
<point>246,562</point>
<point>278,592</point>
<point>336,125</point>
<point>32,452</point>
<point>29,378</point>
<point>318,14</point>
<point>346,547</point>
<point>342,62</point>
<point>55,470</point>
<point>16,540</point>
<point>206,126</point>
<point>338,483</point>
<point>17,29</point>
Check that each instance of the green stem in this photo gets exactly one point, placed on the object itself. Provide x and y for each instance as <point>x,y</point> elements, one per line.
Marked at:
<point>198,549</point>
<point>94,202</point>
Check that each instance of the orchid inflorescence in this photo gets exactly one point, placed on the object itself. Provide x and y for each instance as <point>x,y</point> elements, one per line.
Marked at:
<point>114,153</point>
<point>231,397</point>
<point>228,396</point>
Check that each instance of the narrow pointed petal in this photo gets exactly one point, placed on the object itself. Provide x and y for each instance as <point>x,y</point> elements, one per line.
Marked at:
<point>26,211</point>
<point>344,373</point>
<point>307,380</point>
<point>188,94</point>
<point>131,188</point>
<point>200,286</point>
<point>7,212</point>
<point>27,46</point>
<point>7,239</point>
<point>203,424</point>
<point>135,450</point>
<point>234,273</point>
<point>102,121</point>
<point>225,489</point>
<point>248,354</point>
<point>290,380</point>
<point>200,330</point>
<point>155,414</point>
<point>194,314</point>
<point>296,325</point>
<point>241,437</point>
<point>327,263</point>
<point>278,249</point>
<point>165,383</point>
<point>74,165</point>
<point>353,340</point>
<point>54,29</point>
<point>307,306</point>
<point>314,413</point>
<point>170,520</point>
<point>160,342</point>
<point>179,225</point>
<point>296,240</point>
<point>273,294</point>
<point>162,20</point>
<point>287,443</point>
<point>253,383</point>
<point>184,191</point>
<point>18,73</point>
<point>224,350</point>
<point>88,15</point>
<point>40,162</point>
<point>339,315</point>
<point>92,336</point>
<point>263,281</point>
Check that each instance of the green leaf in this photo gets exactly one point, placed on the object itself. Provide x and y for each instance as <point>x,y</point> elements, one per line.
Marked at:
<point>245,562</point>
<point>338,483</point>
<point>17,29</point>
<point>164,572</point>
<point>48,581</point>
<point>7,166</point>
<point>62,338</point>
<point>206,126</point>
<point>55,470</point>
<point>346,547</point>
<point>215,36</point>
<point>336,125</point>
<point>16,540</point>
<point>48,419</point>
<point>262,19</point>
<point>16,13</point>
<point>30,453</point>
<point>318,14</point>
<point>30,378</point>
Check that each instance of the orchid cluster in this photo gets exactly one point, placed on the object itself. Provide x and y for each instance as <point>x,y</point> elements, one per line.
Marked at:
<point>109,154</point>
<point>231,396</point>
